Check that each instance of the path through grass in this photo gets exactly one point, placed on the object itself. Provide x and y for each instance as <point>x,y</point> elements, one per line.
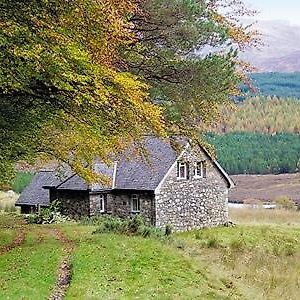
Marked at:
<point>110,266</point>
<point>242,262</point>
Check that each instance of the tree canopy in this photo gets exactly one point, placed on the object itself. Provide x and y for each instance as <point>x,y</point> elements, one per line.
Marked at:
<point>82,78</point>
<point>257,153</point>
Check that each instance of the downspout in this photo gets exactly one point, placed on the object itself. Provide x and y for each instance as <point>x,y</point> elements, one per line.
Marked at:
<point>114,175</point>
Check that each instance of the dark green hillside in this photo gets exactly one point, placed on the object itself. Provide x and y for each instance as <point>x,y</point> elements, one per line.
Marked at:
<point>277,84</point>
<point>255,153</point>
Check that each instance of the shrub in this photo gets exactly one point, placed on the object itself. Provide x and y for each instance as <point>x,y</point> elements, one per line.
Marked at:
<point>32,219</point>
<point>285,202</point>
<point>212,243</point>
<point>133,226</point>
<point>48,215</point>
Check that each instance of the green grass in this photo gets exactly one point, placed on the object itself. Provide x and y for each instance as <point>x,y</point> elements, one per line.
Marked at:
<point>257,261</point>
<point>29,272</point>
<point>6,236</point>
<point>122,267</point>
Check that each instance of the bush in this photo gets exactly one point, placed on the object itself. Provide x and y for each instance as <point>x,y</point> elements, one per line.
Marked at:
<point>133,226</point>
<point>48,215</point>
<point>7,201</point>
<point>285,202</point>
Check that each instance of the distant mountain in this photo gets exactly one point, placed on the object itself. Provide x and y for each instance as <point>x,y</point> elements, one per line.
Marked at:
<point>281,50</point>
<point>287,63</point>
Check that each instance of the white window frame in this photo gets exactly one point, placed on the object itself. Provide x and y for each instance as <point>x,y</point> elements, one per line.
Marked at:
<point>135,197</point>
<point>202,166</point>
<point>181,164</point>
<point>102,202</point>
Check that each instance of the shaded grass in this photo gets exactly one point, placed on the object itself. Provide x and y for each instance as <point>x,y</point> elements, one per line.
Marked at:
<point>6,236</point>
<point>11,220</point>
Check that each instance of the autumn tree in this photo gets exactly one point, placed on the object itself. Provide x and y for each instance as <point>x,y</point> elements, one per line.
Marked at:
<point>82,78</point>
<point>187,51</point>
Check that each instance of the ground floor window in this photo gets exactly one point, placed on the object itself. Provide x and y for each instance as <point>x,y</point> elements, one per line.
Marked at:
<point>135,203</point>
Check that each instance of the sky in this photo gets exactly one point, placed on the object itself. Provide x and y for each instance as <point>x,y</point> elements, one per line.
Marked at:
<point>288,10</point>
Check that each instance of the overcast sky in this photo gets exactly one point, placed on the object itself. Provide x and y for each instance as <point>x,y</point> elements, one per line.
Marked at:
<point>288,10</point>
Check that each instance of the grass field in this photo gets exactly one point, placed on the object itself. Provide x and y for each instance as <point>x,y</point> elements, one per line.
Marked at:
<point>253,260</point>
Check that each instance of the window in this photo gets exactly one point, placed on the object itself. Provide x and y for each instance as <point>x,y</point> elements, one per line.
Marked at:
<point>200,169</point>
<point>182,170</point>
<point>135,203</point>
<point>101,202</point>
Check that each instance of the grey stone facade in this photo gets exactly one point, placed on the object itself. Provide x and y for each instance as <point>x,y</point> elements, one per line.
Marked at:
<point>119,204</point>
<point>164,198</point>
<point>74,203</point>
<point>192,203</point>
<point>184,204</point>
<point>95,203</point>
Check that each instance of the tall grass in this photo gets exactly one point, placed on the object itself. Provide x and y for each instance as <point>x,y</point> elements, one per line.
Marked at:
<point>259,216</point>
<point>7,201</point>
<point>259,258</point>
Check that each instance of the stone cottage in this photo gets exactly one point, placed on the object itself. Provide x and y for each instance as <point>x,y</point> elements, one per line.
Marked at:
<point>187,189</point>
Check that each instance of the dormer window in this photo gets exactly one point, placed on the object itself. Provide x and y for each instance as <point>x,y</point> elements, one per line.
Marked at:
<point>200,169</point>
<point>182,170</point>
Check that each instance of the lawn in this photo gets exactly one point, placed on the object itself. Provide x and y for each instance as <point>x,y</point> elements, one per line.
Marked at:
<point>256,261</point>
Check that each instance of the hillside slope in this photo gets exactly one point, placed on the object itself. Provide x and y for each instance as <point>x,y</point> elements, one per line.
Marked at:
<point>280,51</point>
<point>265,187</point>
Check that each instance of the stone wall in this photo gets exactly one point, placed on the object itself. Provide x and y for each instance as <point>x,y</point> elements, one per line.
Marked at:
<point>95,203</point>
<point>74,203</point>
<point>191,203</point>
<point>122,206</point>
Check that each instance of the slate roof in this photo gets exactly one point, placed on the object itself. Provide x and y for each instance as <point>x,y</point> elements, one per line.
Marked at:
<point>75,182</point>
<point>130,172</point>
<point>137,173</point>
<point>37,192</point>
